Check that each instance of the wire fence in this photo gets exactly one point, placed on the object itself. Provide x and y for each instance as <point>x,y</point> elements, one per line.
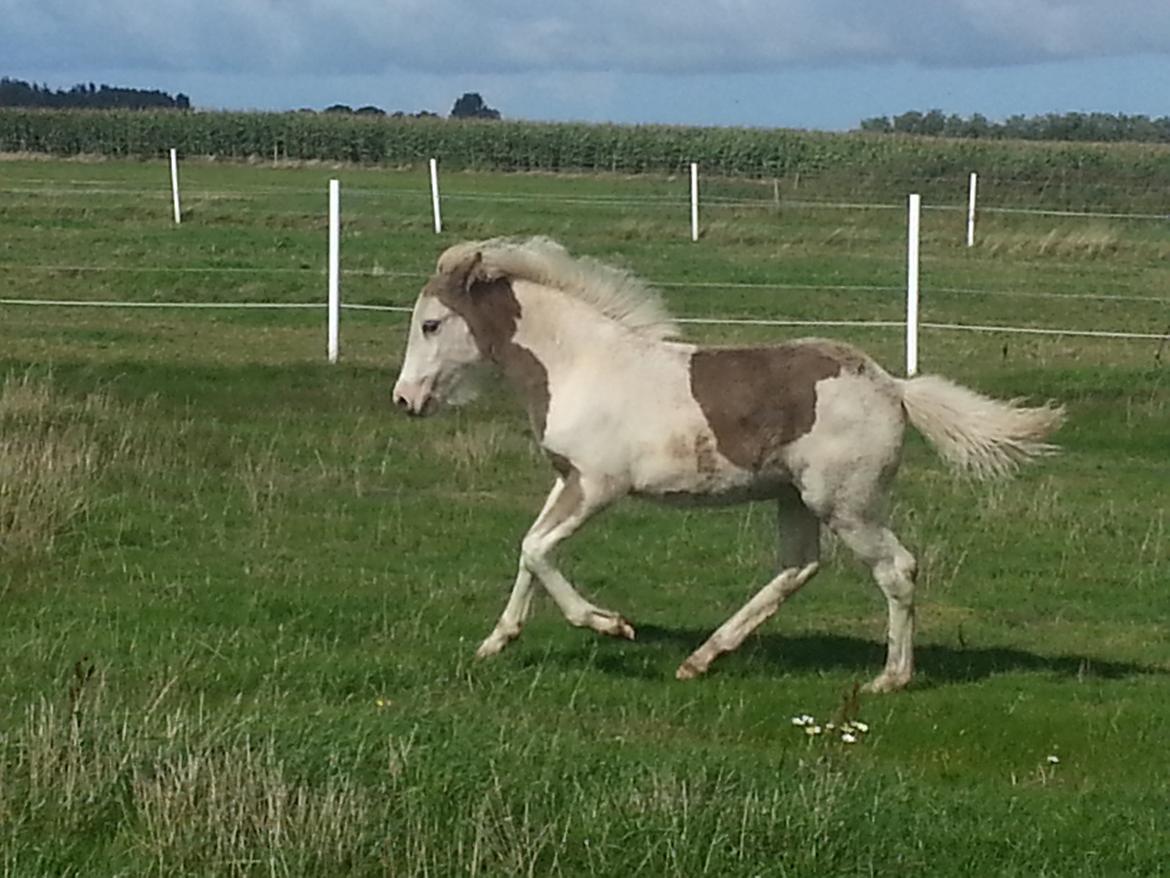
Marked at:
<point>670,200</point>
<point>763,202</point>
<point>698,321</point>
<point>763,286</point>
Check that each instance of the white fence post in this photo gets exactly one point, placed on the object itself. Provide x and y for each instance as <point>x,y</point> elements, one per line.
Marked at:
<point>435,196</point>
<point>334,268</point>
<point>971,212</point>
<point>694,201</point>
<point>175,185</point>
<point>912,286</point>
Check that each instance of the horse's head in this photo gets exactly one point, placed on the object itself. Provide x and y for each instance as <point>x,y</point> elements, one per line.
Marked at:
<point>440,346</point>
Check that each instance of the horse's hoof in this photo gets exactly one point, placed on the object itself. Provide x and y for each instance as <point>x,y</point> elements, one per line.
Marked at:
<point>886,683</point>
<point>490,647</point>
<point>625,629</point>
<point>612,626</point>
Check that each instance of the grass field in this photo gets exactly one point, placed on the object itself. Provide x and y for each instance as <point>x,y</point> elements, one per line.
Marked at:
<point>241,595</point>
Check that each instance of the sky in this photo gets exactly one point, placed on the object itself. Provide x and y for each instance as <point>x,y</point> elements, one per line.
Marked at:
<point>818,64</point>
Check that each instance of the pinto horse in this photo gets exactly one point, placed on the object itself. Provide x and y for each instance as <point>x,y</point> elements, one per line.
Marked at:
<point>621,407</point>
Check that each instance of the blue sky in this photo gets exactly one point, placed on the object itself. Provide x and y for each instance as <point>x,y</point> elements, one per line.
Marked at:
<point>792,63</point>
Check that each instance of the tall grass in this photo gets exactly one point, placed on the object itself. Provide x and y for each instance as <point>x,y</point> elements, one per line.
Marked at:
<point>184,790</point>
<point>53,448</point>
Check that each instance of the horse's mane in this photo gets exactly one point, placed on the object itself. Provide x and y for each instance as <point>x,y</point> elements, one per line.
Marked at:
<point>614,292</point>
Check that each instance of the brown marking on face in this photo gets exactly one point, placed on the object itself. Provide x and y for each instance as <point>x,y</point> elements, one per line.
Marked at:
<point>491,310</point>
<point>757,400</point>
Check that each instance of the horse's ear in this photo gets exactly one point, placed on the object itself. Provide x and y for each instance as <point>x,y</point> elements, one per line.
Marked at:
<point>474,272</point>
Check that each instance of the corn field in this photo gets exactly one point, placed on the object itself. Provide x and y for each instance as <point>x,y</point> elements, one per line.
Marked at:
<point>1098,174</point>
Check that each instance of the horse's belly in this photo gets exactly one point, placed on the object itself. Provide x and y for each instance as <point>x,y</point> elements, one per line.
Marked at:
<point>759,489</point>
<point>693,472</point>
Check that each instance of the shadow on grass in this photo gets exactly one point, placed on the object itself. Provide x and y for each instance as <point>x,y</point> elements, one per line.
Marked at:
<point>936,663</point>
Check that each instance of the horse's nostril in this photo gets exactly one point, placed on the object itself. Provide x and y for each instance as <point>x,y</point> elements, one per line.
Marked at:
<point>402,402</point>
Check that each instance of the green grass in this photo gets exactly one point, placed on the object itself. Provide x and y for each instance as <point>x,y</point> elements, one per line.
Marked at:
<point>242,642</point>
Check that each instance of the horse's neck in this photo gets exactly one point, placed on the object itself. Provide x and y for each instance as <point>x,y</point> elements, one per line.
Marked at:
<point>555,336</point>
<point>562,331</point>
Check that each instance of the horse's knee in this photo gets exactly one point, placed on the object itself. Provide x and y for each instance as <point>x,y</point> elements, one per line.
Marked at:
<point>906,565</point>
<point>896,575</point>
<point>531,552</point>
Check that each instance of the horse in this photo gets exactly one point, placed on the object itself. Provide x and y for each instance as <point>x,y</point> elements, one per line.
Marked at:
<point>621,406</point>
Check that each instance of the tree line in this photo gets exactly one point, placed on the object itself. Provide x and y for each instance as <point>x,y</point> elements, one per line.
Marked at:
<point>1086,127</point>
<point>470,105</point>
<point>17,93</point>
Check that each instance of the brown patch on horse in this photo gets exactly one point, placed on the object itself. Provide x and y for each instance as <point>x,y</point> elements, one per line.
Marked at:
<point>491,311</point>
<point>560,463</point>
<point>757,400</point>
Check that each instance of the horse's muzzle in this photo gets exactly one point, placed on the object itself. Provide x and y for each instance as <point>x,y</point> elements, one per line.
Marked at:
<point>413,399</point>
<point>415,411</point>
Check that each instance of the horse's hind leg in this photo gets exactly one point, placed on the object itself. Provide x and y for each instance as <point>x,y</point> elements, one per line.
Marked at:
<point>893,569</point>
<point>799,531</point>
<point>746,619</point>
<point>799,554</point>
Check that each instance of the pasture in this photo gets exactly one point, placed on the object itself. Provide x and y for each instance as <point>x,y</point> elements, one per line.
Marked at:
<point>241,594</point>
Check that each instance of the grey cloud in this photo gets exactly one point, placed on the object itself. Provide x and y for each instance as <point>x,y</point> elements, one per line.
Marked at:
<point>501,36</point>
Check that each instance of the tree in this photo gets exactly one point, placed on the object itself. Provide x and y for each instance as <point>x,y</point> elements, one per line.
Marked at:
<point>877,123</point>
<point>908,123</point>
<point>472,106</point>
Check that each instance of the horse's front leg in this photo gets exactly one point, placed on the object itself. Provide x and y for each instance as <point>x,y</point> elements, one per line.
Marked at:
<point>581,498</point>
<point>520,600</point>
<point>578,502</point>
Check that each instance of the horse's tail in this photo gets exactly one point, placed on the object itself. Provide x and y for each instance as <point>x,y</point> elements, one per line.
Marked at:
<point>977,434</point>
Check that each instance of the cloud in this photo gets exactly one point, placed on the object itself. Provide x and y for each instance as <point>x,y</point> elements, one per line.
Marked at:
<point>335,37</point>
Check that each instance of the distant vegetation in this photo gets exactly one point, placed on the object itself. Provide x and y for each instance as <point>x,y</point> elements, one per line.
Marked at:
<point>370,110</point>
<point>507,145</point>
<point>886,159</point>
<point>1096,127</point>
<point>16,93</point>
<point>469,106</point>
<point>87,96</point>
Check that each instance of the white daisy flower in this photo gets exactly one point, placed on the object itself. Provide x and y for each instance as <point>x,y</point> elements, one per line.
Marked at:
<point>848,738</point>
<point>1053,759</point>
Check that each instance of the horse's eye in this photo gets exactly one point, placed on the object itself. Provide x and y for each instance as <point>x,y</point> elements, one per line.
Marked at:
<point>430,327</point>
